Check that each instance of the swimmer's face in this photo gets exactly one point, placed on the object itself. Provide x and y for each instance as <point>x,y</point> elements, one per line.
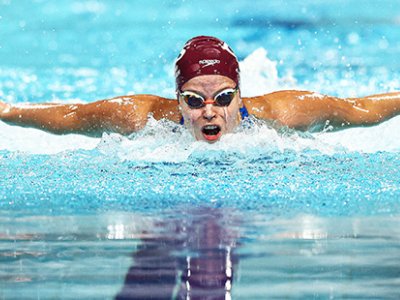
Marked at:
<point>210,122</point>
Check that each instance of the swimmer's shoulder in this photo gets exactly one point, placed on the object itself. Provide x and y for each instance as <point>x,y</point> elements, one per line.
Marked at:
<point>268,105</point>
<point>145,104</point>
<point>296,109</point>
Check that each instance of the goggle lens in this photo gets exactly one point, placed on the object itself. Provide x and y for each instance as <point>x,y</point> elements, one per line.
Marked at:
<point>225,98</point>
<point>194,101</point>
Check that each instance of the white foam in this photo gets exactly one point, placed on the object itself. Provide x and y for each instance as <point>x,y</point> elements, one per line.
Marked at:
<point>259,75</point>
<point>35,141</point>
<point>382,137</point>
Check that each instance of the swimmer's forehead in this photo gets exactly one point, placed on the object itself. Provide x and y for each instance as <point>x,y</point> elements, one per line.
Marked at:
<point>209,83</point>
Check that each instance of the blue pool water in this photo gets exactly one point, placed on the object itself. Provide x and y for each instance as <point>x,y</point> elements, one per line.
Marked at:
<point>264,214</point>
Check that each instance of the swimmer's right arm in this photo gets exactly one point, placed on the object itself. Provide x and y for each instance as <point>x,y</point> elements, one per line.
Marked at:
<point>123,115</point>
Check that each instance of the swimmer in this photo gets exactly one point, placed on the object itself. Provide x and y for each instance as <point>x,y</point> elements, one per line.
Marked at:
<point>209,104</point>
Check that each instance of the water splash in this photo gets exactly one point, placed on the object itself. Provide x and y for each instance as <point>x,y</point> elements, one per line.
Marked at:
<point>164,141</point>
<point>260,75</point>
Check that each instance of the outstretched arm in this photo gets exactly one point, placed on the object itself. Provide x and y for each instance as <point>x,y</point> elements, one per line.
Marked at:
<point>121,115</point>
<point>303,110</point>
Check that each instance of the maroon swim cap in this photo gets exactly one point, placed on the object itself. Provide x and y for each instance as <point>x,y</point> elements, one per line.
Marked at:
<point>205,55</point>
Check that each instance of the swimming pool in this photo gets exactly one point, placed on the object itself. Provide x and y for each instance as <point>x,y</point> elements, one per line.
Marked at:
<point>263,214</point>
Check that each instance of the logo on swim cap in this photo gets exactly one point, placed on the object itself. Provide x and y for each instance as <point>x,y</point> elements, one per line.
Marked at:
<point>209,62</point>
<point>205,55</point>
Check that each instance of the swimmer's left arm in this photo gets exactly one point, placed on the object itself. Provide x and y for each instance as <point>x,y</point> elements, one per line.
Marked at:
<point>302,110</point>
<point>372,109</point>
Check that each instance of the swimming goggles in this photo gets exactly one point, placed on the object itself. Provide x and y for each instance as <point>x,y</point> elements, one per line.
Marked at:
<point>223,98</point>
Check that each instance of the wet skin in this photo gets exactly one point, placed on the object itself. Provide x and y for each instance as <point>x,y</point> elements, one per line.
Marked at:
<point>197,120</point>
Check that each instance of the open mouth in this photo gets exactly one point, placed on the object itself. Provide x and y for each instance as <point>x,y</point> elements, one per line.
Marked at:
<point>211,132</point>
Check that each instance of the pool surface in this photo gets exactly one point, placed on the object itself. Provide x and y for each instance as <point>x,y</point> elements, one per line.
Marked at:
<point>266,213</point>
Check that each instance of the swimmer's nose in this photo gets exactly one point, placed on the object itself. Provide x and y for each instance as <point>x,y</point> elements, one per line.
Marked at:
<point>209,112</point>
